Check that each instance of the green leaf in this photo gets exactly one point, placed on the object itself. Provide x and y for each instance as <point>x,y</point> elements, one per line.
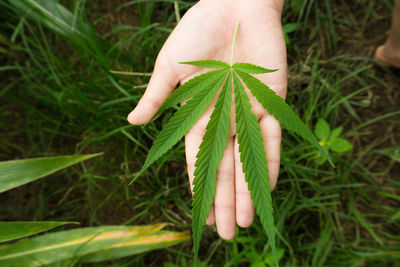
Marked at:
<point>208,158</point>
<point>14,230</point>
<point>322,130</point>
<point>110,241</point>
<point>258,264</point>
<point>156,240</point>
<point>190,88</point>
<point>339,145</point>
<point>280,110</point>
<point>18,172</point>
<point>210,64</point>
<point>253,158</point>
<point>269,258</point>
<point>180,123</point>
<point>250,68</point>
<point>291,27</point>
<point>336,132</point>
<point>320,160</point>
<point>287,39</point>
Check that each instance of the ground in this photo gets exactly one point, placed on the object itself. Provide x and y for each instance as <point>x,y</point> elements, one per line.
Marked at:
<point>58,98</point>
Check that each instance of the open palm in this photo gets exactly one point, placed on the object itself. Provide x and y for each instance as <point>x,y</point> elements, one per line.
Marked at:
<point>206,32</point>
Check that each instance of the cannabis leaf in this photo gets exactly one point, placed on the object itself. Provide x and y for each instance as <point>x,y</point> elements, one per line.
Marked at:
<point>253,158</point>
<point>189,89</point>
<point>250,68</point>
<point>210,153</point>
<point>185,117</point>
<point>280,110</point>
<point>201,90</point>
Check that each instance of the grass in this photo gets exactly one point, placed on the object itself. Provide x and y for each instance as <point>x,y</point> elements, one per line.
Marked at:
<point>59,97</point>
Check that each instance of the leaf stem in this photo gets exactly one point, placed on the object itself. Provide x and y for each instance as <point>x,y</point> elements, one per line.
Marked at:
<point>234,42</point>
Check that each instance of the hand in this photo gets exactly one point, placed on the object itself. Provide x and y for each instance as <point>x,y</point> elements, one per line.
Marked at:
<point>206,32</point>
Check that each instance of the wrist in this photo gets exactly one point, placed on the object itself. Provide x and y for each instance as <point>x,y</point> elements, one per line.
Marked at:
<point>275,4</point>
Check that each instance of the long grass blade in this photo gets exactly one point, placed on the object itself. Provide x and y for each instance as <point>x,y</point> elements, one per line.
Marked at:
<point>14,230</point>
<point>62,21</point>
<point>156,240</point>
<point>110,241</point>
<point>15,173</point>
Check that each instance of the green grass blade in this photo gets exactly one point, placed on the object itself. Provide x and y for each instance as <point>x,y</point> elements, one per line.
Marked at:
<point>365,224</point>
<point>324,245</point>
<point>62,21</point>
<point>281,111</point>
<point>54,247</point>
<point>180,123</point>
<point>395,217</point>
<point>253,158</point>
<point>14,230</point>
<point>18,172</point>
<point>189,89</point>
<point>209,156</point>
<point>251,68</point>
<point>53,15</point>
<point>211,64</point>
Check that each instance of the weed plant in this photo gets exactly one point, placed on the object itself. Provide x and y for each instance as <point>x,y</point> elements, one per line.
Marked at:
<point>59,96</point>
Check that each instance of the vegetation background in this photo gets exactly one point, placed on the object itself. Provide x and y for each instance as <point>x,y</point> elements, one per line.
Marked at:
<point>58,97</point>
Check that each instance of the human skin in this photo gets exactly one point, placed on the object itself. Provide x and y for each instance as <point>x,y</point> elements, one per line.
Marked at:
<point>389,53</point>
<point>206,32</point>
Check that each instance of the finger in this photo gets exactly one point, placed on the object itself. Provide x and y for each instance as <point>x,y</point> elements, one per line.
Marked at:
<point>162,83</point>
<point>224,200</point>
<point>271,132</point>
<point>244,203</point>
<point>211,217</point>
<point>192,144</point>
<point>193,140</point>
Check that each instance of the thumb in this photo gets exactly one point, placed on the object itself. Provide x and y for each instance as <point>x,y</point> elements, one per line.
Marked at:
<point>162,83</point>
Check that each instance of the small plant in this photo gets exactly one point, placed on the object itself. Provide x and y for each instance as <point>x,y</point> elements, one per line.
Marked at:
<point>202,89</point>
<point>330,140</point>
